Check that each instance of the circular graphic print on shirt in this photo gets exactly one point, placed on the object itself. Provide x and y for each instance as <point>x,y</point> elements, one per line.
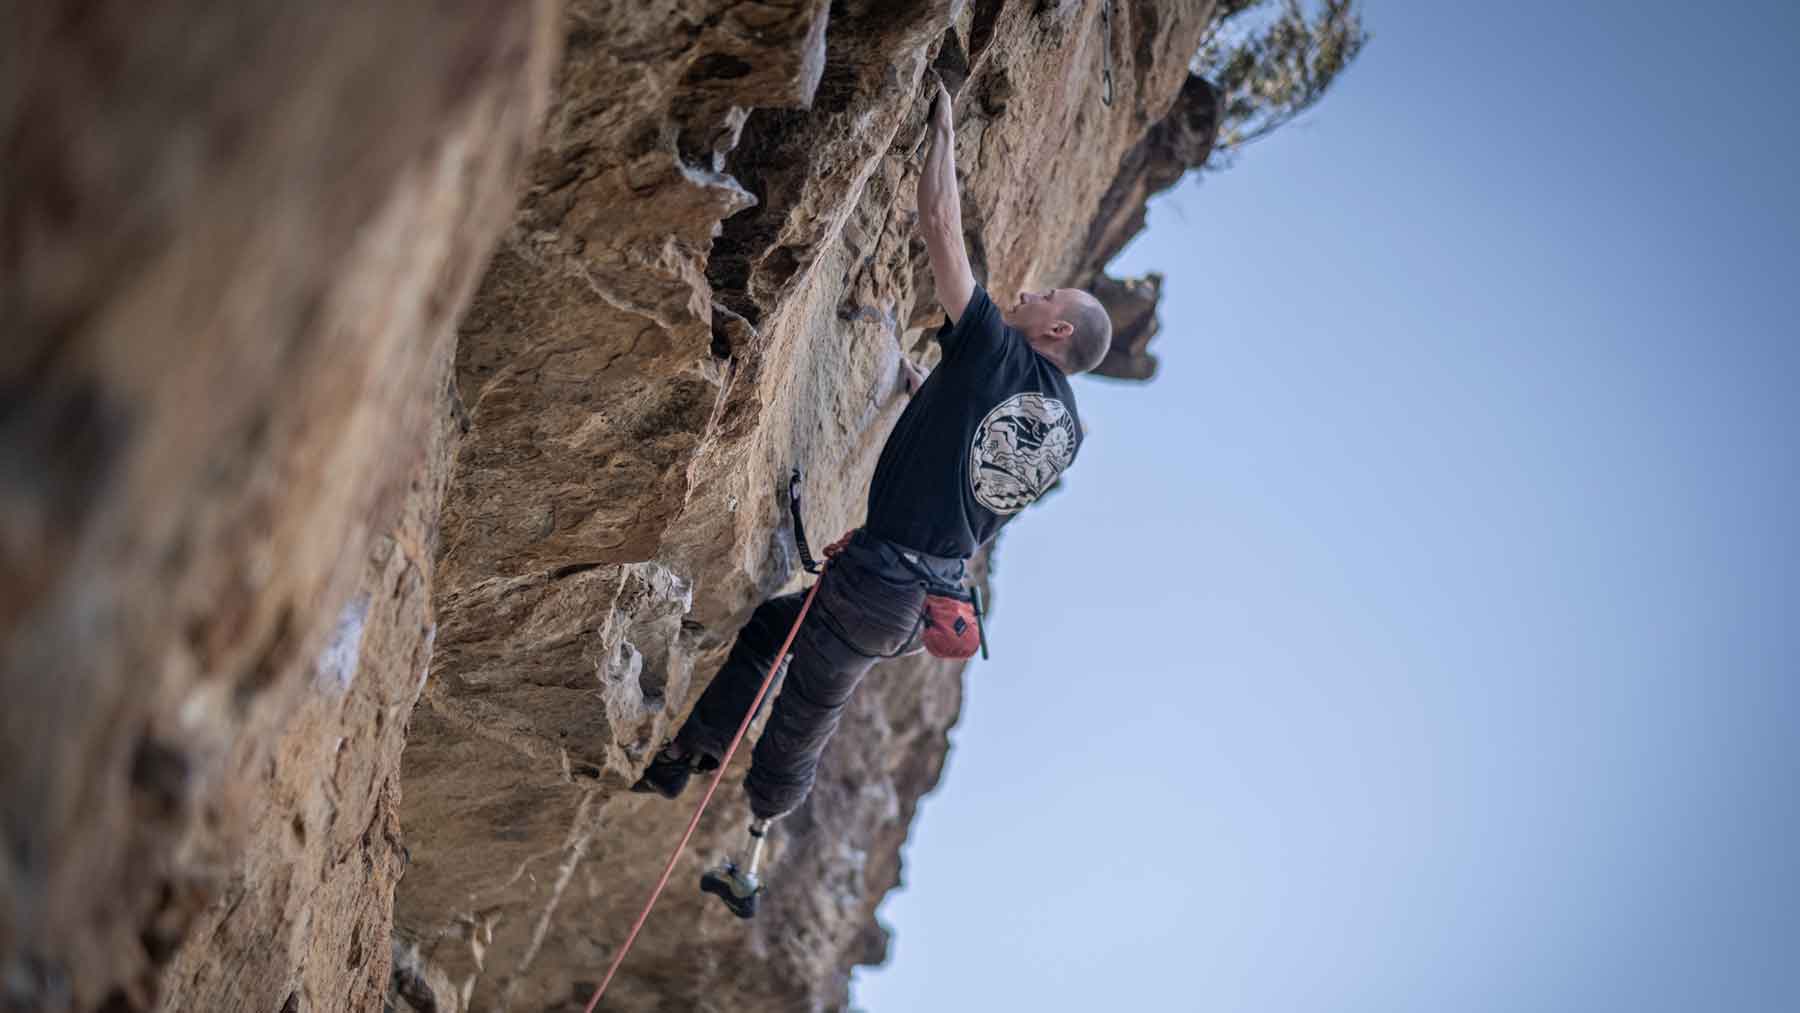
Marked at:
<point>1020,449</point>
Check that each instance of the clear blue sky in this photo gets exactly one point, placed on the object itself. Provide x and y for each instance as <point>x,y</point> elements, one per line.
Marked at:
<point>1425,638</point>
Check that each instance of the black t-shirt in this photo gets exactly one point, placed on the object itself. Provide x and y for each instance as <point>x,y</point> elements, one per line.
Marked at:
<point>991,428</point>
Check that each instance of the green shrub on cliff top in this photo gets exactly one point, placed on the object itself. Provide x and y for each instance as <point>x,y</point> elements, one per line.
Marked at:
<point>1270,63</point>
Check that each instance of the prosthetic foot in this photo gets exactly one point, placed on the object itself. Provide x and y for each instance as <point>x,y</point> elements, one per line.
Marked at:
<point>737,884</point>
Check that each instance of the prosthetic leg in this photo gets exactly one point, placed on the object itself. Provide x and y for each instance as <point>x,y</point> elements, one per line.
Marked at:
<point>736,883</point>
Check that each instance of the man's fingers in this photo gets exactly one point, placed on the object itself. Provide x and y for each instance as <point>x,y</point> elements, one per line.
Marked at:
<point>940,107</point>
<point>936,120</point>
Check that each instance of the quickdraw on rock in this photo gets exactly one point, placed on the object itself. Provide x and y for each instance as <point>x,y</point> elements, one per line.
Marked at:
<point>807,562</point>
<point>1106,73</point>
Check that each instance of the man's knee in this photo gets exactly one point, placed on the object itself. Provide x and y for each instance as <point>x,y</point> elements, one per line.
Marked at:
<point>768,626</point>
<point>772,798</point>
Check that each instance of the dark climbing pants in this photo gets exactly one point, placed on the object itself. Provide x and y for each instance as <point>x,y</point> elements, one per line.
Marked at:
<point>869,607</point>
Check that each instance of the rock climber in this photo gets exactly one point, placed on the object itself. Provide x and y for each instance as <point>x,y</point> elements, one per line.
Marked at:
<point>986,433</point>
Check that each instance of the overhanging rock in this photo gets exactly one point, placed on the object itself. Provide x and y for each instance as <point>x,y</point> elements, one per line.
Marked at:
<point>638,396</point>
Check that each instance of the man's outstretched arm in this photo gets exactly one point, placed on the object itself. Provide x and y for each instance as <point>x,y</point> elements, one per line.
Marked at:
<point>940,213</point>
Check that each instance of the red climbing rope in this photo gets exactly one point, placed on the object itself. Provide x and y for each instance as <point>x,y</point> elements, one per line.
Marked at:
<point>718,775</point>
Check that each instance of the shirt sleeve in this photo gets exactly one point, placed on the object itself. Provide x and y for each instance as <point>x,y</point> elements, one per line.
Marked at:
<point>979,333</point>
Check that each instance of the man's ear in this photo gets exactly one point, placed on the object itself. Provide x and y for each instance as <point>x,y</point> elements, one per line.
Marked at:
<point>1062,329</point>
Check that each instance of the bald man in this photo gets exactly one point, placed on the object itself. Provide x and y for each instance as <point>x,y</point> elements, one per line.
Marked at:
<point>987,432</point>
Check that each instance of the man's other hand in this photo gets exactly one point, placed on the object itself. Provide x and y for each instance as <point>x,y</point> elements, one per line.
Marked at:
<point>911,376</point>
<point>941,118</point>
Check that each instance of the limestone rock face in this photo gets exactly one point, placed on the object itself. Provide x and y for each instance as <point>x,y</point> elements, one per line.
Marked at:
<point>347,587</point>
<point>1182,140</point>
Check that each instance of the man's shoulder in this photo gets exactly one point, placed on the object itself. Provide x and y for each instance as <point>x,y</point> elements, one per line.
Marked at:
<point>980,331</point>
<point>982,313</point>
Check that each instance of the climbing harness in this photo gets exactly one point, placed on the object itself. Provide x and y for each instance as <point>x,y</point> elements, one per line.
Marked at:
<point>718,775</point>
<point>1106,74</point>
<point>952,616</point>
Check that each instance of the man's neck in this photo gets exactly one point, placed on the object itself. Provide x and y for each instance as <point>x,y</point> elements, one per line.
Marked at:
<point>1049,356</point>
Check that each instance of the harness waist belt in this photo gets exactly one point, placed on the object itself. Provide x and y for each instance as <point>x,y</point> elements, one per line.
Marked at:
<point>943,569</point>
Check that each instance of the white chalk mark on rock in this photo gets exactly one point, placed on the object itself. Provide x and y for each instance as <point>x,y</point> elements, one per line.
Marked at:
<point>336,667</point>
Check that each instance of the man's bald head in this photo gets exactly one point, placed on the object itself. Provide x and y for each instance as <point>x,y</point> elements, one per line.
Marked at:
<point>1066,325</point>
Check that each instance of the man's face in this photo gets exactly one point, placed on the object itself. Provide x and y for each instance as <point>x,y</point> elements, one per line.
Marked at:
<point>1037,312</point>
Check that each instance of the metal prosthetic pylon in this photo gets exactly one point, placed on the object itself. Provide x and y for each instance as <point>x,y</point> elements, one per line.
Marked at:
<point>735,882</point>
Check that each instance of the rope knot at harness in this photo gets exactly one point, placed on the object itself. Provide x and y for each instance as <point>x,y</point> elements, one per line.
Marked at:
<point>840,545</point>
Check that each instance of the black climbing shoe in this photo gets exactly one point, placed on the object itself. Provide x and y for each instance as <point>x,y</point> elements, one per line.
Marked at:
<point>739,892</point>
<point>667,774</point>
